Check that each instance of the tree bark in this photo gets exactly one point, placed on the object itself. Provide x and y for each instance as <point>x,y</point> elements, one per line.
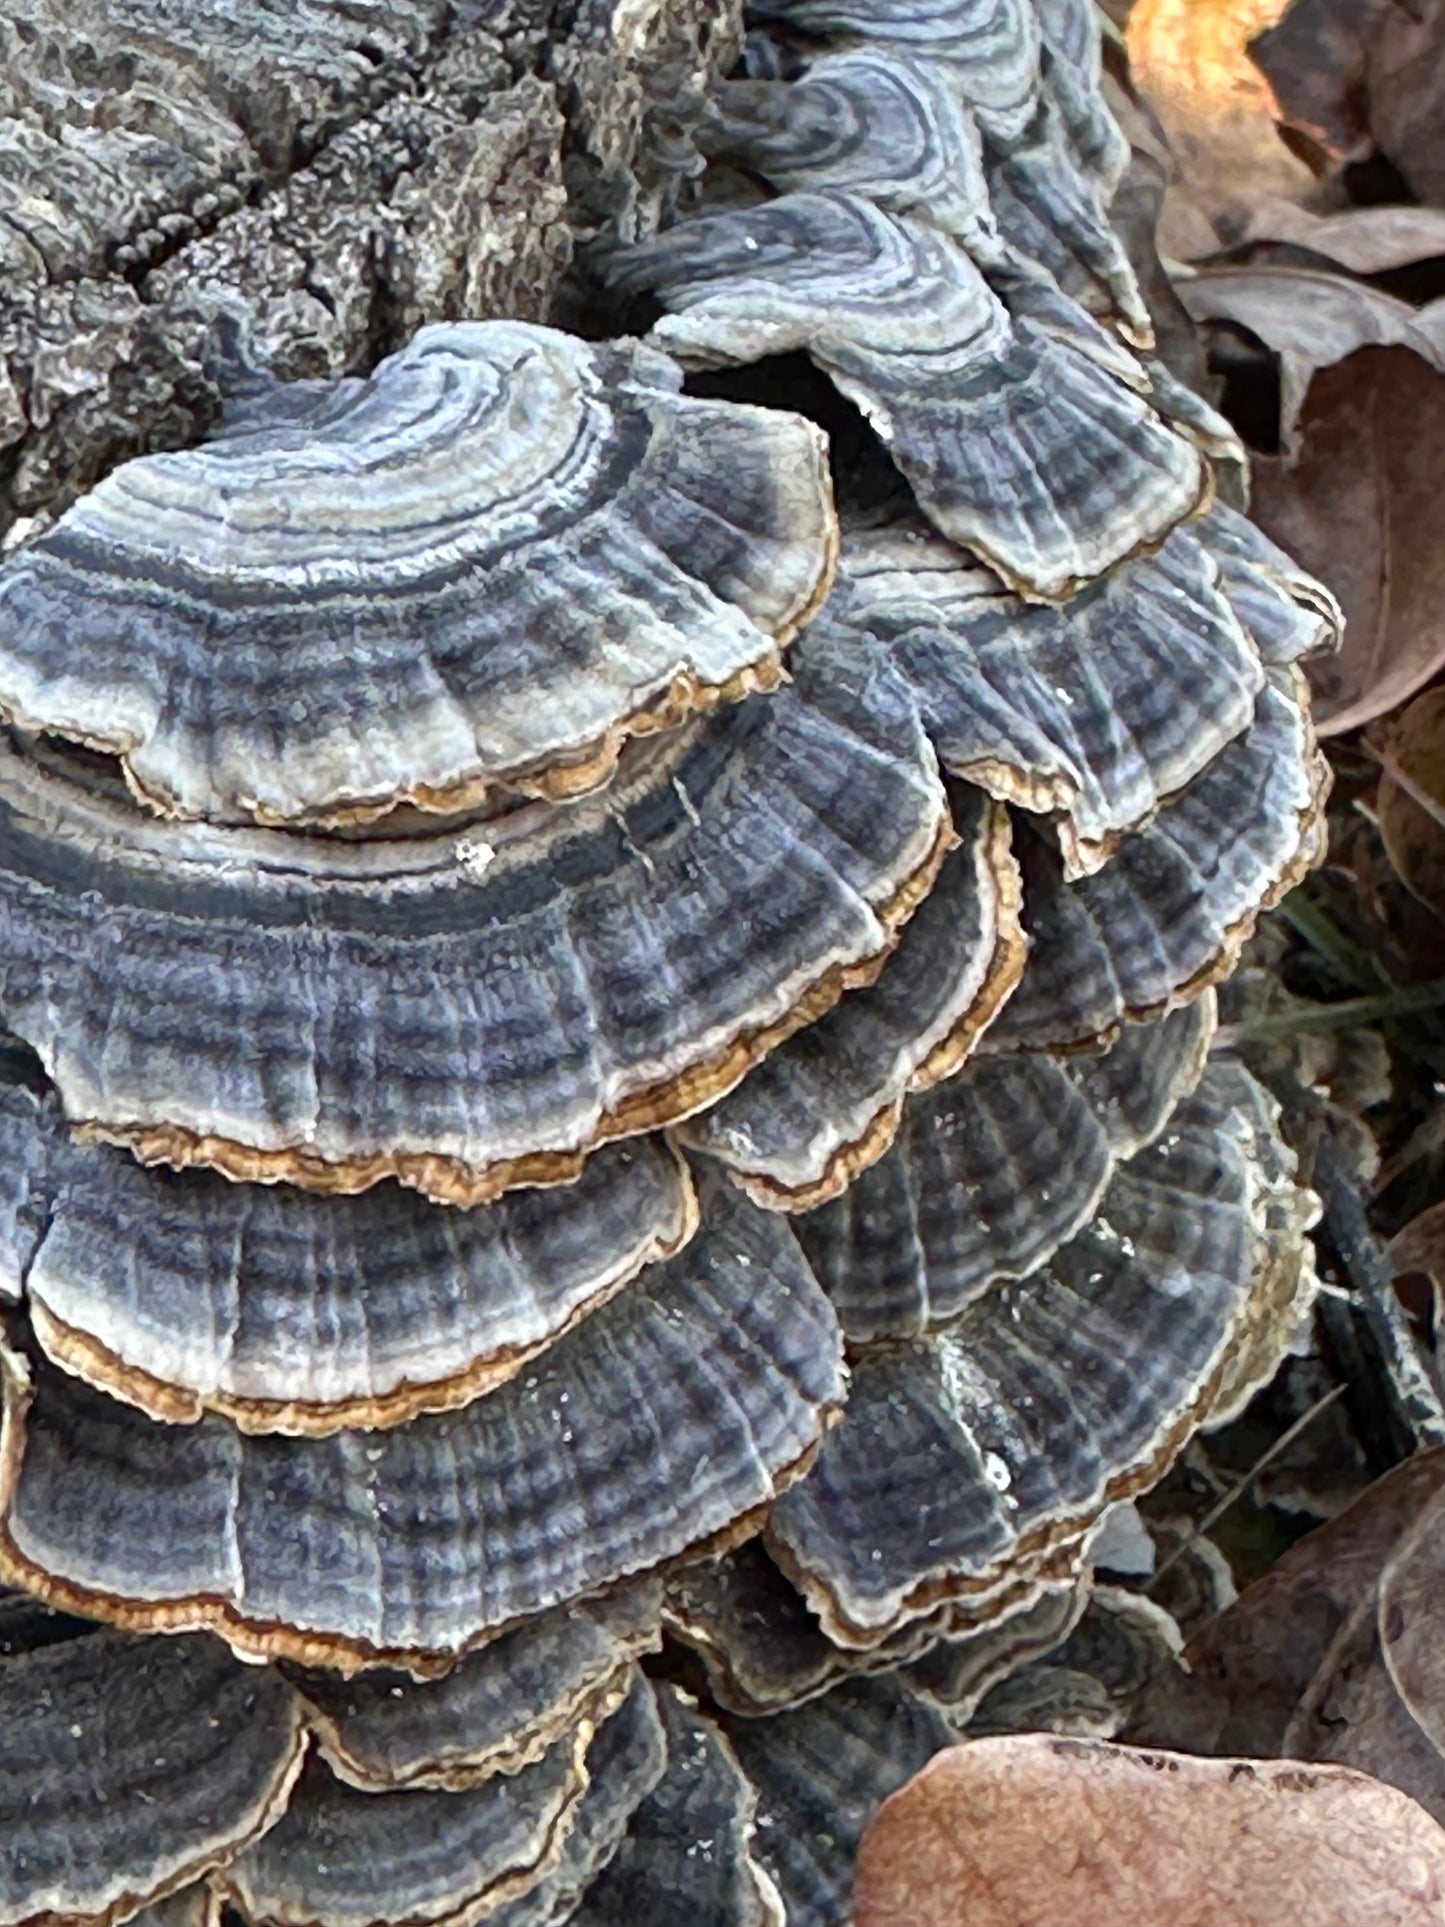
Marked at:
<point>313,178</point>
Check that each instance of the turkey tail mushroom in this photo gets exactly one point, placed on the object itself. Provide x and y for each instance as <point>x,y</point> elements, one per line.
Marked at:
<point>678,1014</point>
<point>484,567</point>
<point>586,972</point>
<point>664,1422</point>
<point>1016,442</point>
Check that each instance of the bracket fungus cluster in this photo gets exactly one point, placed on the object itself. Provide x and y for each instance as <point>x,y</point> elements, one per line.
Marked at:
<point>602,1052</point>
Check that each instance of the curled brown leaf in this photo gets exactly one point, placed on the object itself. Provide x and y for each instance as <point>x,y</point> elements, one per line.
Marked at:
<point>1360,75</point>
<point>1361,507</point>
<point>1411,800</point>
<point>1188,59</point>
<point>1300,1663</point>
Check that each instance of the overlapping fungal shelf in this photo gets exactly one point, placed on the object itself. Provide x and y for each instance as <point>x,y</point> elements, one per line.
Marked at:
<point>595,1056</point>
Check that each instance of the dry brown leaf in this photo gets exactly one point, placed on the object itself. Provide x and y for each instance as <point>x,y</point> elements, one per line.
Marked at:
<point>1309,318</point>
<point>1298,1664</point>
<point>1188,59</point>
<point>1315,59</point>
<point>1412,1589</point>
<point>1420,1246</point>
<point>1411,800</point>
<point>1365,240</point>
<point>1035,1831</point>
<point>1359,74</point>
<point>1362,507</point>
<point>1406,80</point>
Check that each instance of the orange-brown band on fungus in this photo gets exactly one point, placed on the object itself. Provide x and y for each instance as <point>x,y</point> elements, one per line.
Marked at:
<point>268,1639</point>
<point>1005,968</point>
<point>596,1703</point>
<point>18,1392</point>
<point>448,1180</point>
<point>88,1358</point>
<point>1306,855</point>
<point>1264,1316</point>
<point>1147,545</point>
<point>471,1908</point>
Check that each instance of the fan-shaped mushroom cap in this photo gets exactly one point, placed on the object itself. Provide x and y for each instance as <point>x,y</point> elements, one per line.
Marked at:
<point>1054,153</point>
<point>26,1148</point>
<point>1012,1428</point>
<point>1072,33</point>
<point>491,562</point>
<point>993,45</point>
<point>1050,162</point>
<point>688,1850</point>
<point>760,1646</point>
<point>1016,442</point>
<point>1052,184</point>
<point>1173,908</point>
<point>1052,211</point>
<point>1286,1283</point>
<point>870,120</point>
<point>1093,1677</point>
<point>1094,711</point>
<point>128,1767</point>
<point>992,1172</point>
<point>627,1760</point>
<point>955,1674</point>
<point>826,1103</point>
<point>821,1771</point>
<point>499,1709</point>
<point>343,1858</point>
<point>664,1421</point>
<point>468,1015</point>
<point>182,1293</point>
<point>1288,612</point>
<point>763,1649</point>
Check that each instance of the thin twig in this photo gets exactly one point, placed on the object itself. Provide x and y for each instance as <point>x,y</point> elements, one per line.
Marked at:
<point>1216,1512</point>
<point>1396,771</point>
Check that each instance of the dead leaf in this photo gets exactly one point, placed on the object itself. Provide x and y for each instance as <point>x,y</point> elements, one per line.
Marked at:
<point>1411,1590</point>
<point>1034,1830</point>
<point>1314,58</point>
<point>1430,325</point>
<point>1420,1246</point>
<point>1188,59</point>
<point>1361,74</point>
<point>1365,240</point>
<point>1297,1665</point>
<point>1362,507</point>
<point>1410,805</point>
<point>1405,75</point>
<point>1309,318</point>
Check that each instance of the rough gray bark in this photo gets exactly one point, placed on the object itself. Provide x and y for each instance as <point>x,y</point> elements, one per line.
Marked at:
<point>312,178</point>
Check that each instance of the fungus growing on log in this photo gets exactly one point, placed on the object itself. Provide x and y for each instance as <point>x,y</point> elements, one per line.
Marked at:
<point>484,567</point>
<point>1017,443</point>
<point>598,1049</point>
<point>479,1008</point>
<point>102,1735</point>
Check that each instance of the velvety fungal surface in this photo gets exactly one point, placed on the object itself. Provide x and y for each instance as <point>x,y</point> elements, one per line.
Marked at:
<point>490,562</point>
